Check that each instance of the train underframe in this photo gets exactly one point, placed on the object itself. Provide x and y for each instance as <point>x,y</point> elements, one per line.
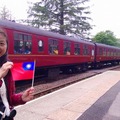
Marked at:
<point>102,64</point>
<point>53,72</point>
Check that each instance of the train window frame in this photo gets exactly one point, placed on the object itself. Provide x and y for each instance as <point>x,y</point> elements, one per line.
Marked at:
<point>22,43</point>
<point>100,51</point>
<point>53,46</point>
<point>76,49</point>
<point>111,53</point>
<point>40,47</point>
<point>86,49</point>
<point>104,52</point>
<point>108,54</point>
<point>67,48</point>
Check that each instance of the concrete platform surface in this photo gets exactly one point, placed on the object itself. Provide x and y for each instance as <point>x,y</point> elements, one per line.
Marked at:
<point>71,102</point>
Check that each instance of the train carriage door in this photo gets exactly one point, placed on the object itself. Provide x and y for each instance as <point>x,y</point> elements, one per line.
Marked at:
<point>93,52</point>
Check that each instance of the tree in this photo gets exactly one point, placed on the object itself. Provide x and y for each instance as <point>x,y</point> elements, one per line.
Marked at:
<point>5,14</point>
<point>106,37</point>
<point>62,16</point>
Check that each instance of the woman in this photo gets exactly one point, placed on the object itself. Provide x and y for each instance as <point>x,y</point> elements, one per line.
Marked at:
<point>5,66</point>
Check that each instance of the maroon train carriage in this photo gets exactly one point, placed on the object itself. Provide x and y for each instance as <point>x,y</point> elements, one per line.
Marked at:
<point>53,52</point>
<point>106,55</point>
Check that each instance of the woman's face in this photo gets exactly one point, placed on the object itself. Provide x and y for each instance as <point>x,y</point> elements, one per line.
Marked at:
<point>3,45</point>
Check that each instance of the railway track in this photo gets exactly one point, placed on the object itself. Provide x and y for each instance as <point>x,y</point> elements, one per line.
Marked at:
<point>43,86</point>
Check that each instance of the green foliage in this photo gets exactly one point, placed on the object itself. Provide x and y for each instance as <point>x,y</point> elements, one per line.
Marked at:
<point>62,16</point>
<point>118,43</point>
<point>106,37</point>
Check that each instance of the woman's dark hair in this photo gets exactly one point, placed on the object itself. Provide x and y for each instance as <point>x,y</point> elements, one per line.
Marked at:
<point>4,58</point>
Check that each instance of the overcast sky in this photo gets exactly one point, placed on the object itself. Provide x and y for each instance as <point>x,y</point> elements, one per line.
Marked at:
<point>105,13</point>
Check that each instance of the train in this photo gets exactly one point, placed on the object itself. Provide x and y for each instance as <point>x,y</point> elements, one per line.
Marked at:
<point>55,53</point>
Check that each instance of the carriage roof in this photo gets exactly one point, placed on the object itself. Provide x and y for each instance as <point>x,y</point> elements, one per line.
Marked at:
<point>29,29</point>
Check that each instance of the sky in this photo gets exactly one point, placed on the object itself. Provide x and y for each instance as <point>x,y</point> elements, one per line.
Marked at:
<point>104,13</point>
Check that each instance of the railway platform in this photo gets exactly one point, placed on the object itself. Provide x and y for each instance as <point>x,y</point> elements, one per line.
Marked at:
<point>95,98</point>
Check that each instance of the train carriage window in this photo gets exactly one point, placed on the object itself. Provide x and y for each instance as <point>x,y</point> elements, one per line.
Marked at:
<point>114,53</point>
<point>20,37</point>
<point>111,52</point>
<point>104,52</point>
<point>16,36</point>
<point>22,43</point>
<point>100,51</point>
<point>67,48</point>
<point>77,49</point>
<point>107,52</point>
<point>25,37</point>
<point>117,53</point>
<point>85,50</point>
<point>53,47</point>
<point>40,45</point>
